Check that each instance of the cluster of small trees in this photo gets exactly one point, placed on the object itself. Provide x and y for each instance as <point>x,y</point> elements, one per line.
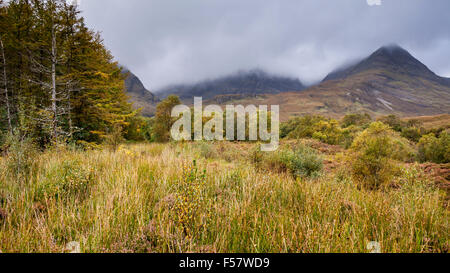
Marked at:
<point>58,82</point>
<point>326,130</point>
<point>246,124</point>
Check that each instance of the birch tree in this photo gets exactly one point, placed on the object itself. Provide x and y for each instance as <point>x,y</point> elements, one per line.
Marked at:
<point>5,85</point>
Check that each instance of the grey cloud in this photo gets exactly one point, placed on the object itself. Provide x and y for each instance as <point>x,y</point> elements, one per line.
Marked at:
<point>173,41</point>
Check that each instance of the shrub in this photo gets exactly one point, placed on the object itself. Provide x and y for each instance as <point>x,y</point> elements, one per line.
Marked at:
<point>362,120</point>
<point>412,133</point>
<point>20,153</point>
<point>138,129</point>
<point>328,132</point>
<point>412,129</point>
<point>275,161</point>
<point>191,210</point>
<point>256,156</point>
<point>435,149</point>
<point>349,134</point>
<point>300,127</point>
<point>61,181</point>
<point>374,155</point>
<point>317,127</point>
<point>115,137</point>
<point>207,150</point>
<point>303,162</point>
<point>394,122</point>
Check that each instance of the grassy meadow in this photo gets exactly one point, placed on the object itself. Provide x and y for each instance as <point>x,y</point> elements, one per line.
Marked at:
<point>211,197</point>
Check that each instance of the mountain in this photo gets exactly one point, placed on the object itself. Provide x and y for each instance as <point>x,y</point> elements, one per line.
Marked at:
<point>392,59</point>
<point>389,81</point>
<point>139,95</point>
<point>242,84</point>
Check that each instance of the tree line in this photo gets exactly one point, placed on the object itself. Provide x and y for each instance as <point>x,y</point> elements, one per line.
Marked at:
<point>58,82</point>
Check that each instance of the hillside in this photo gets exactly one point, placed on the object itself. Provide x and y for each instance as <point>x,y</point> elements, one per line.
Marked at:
<point>241,84</point>
<point>139,95</point>
<point>392,59</point>
<point>430,122</point>
<point>389,81</point>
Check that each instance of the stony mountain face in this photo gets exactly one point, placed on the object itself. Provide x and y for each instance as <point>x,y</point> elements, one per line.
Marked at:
<point>241,84</point>
<point>391,59</point>
<point>139,95</point>
<point>389,81</point>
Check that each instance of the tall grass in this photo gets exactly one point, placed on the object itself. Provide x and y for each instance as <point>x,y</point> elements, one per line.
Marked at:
<point>125,200</point>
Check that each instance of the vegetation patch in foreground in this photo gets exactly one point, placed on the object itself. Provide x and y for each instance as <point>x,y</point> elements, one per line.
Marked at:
<point>139,198</point>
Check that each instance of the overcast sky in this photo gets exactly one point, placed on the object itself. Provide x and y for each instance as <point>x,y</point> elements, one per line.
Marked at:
<point>180,41</point>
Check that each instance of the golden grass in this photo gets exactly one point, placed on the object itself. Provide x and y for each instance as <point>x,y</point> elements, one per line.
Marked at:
<point>430,122</point>
<point>131,195</point>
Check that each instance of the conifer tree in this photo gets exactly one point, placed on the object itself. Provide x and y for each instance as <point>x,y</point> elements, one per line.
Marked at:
<point>58,79</point>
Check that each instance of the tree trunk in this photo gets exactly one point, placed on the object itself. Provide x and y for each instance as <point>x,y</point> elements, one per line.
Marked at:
<point>8,109</point>
<point>53,88</point>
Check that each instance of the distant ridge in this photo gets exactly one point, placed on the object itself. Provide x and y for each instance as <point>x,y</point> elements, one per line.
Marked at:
<point>243,83</point>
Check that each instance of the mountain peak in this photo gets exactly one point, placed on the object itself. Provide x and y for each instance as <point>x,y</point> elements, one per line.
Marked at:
<point>394,54</point>
<point>392,48</point>
<point>391,58</point>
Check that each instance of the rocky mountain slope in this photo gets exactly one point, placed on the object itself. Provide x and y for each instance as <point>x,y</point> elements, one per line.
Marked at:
<point>139,95</point>
<point>241,84</point>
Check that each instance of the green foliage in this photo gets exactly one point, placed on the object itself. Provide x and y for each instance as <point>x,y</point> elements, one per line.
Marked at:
<point>433,149</point>
<point>328,132</point>
<point>411,129</point>
<point>89,97</point>
<point>256,156</point>
<point>139,129</point>
<point>412,133</point>
<point>114,138</point>
<point>163,118</point>
<point>362,120</point>
<point>300,127</point>
<point>302,162</point>
<point>271,161</point>
<point>20,153</point>
<point>349,134</point>
<point>374,155</point>
<point>394,122</point>
<point>207,150</point>
<point>65,180</point>
<point>331,132</point>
